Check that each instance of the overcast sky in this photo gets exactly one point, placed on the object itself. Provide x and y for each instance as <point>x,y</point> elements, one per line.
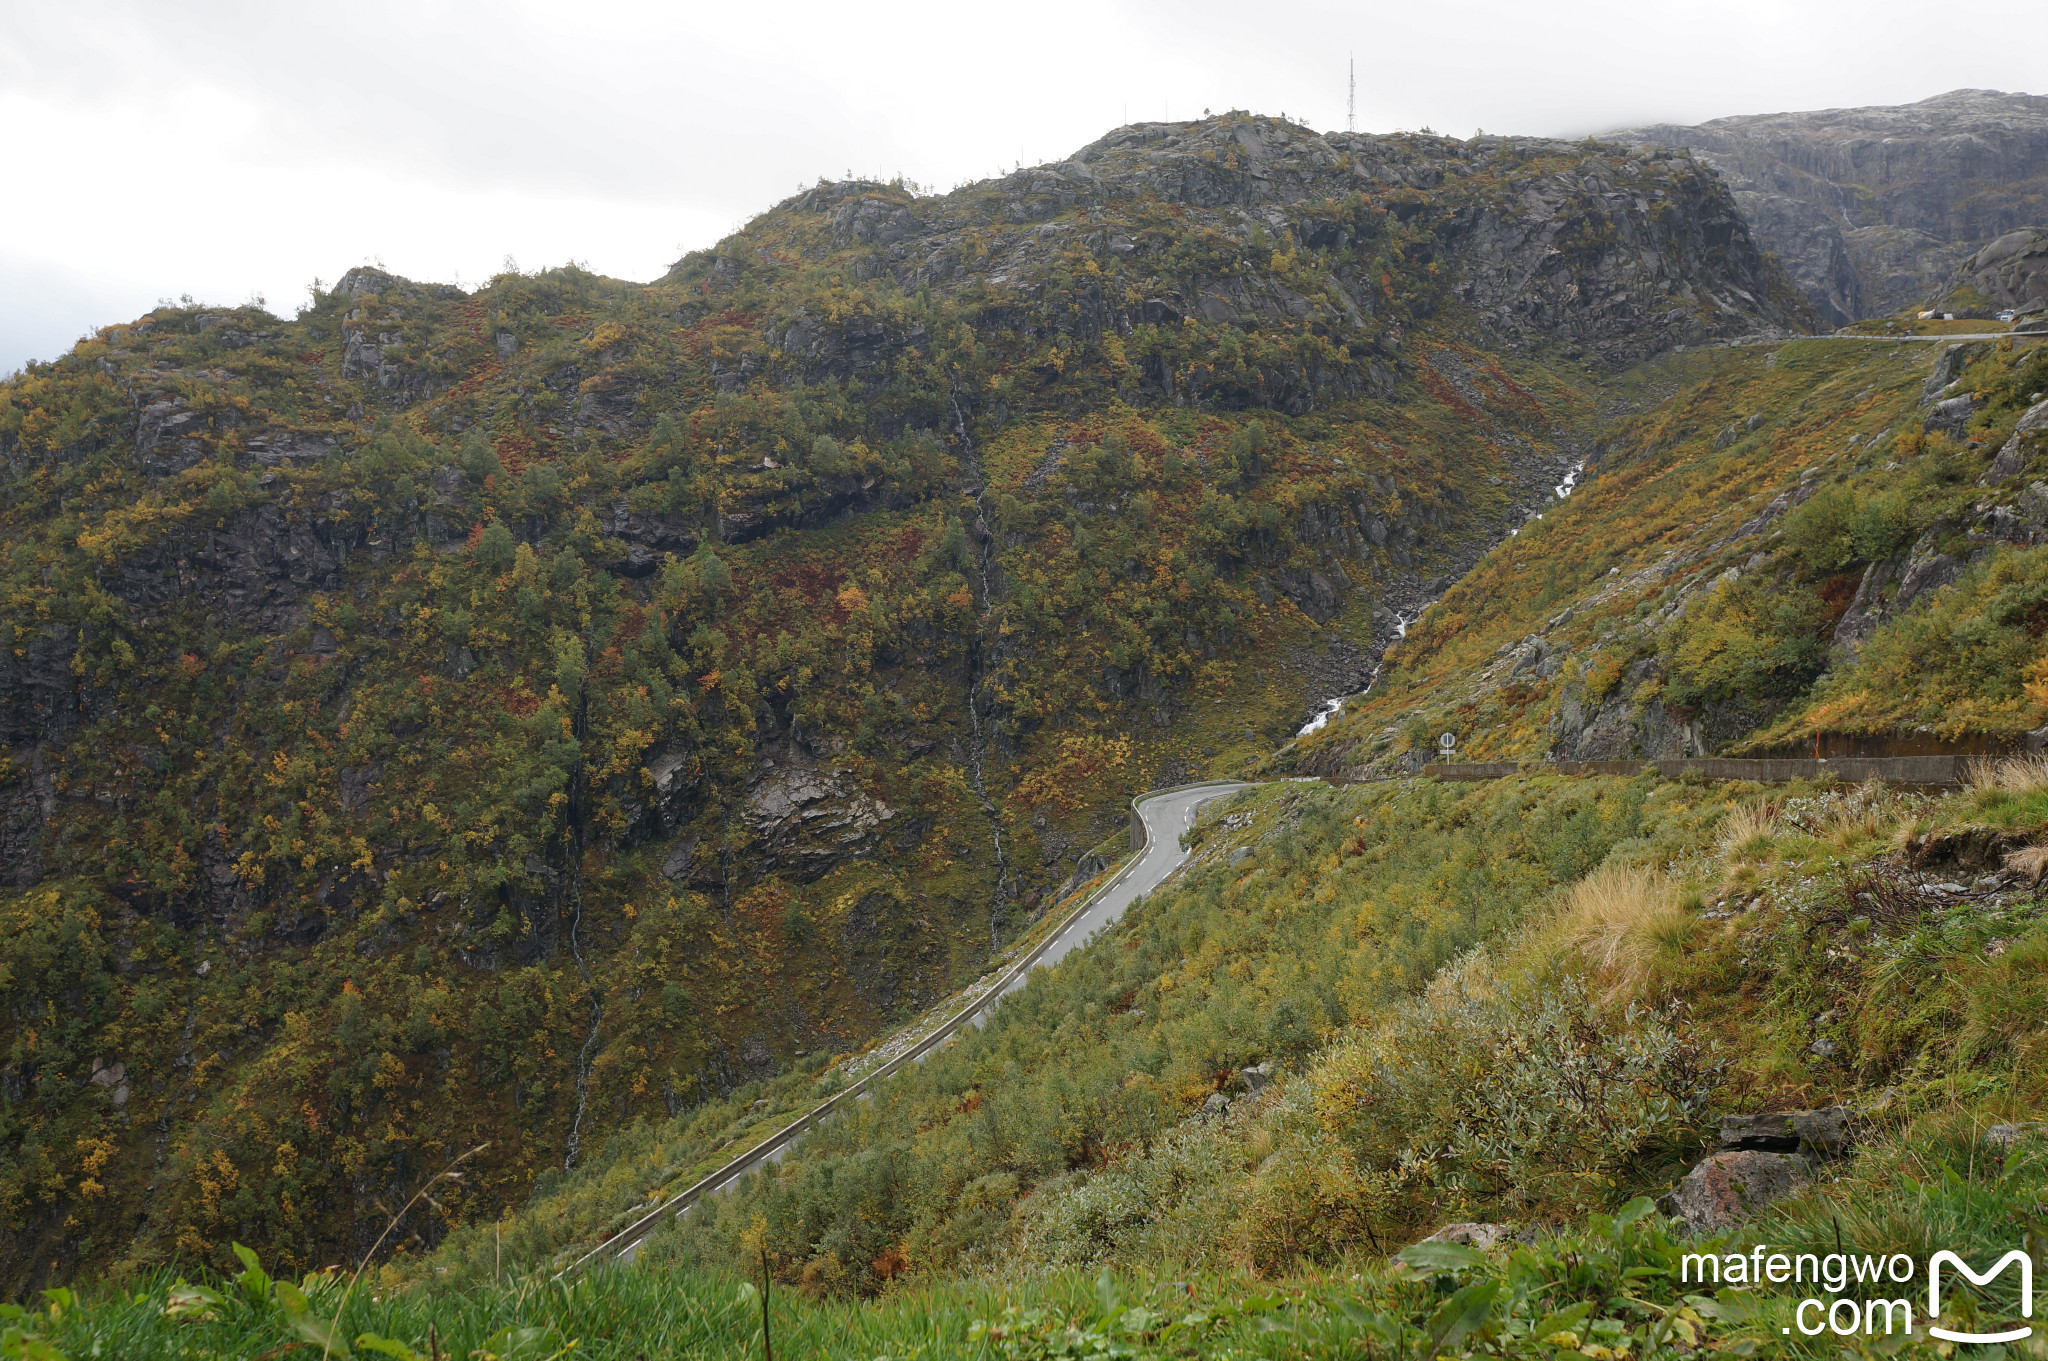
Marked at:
<point>230,151</point>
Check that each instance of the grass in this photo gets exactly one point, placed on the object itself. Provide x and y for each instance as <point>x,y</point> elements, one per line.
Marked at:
<point>2007,774</point>
<point>1611,1283</point>
<point>1622,918</point>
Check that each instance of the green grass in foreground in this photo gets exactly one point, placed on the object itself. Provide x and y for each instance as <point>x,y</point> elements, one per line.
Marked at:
<point>1608,1292</point>
<point>1612,1289</point>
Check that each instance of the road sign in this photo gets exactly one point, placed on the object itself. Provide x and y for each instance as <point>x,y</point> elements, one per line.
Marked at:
<point>1446,741</point>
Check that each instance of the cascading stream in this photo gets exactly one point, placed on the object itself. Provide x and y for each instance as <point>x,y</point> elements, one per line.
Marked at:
<point>979,681</point>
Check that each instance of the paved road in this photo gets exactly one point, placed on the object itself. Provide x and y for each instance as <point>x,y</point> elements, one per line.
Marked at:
<point>1906,340</point>
<point>1166,817</point>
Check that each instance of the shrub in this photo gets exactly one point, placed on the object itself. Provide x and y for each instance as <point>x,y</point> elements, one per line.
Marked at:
<point>1518,1097</point>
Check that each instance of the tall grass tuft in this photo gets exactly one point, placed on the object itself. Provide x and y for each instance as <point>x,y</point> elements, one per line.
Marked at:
<point>2007,774</point>
<point>1620,918</point>
<point>1746,829</point>
<point>2031,861</point>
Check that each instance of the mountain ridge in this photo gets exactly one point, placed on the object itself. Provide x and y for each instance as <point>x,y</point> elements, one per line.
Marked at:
<point>1872,208</point>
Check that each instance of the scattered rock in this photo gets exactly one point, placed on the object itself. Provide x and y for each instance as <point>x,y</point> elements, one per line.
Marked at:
<point>1215,1108</point>
<point>1239,855</point>
<point>1728,1188</point>
<point>1480,1236</point>
<point>1257,1077</point>
<point>2005,1136</point>
<point>1826,1132</point>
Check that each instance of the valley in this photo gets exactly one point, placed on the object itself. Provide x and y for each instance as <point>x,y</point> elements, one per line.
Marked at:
<point>592,732</point>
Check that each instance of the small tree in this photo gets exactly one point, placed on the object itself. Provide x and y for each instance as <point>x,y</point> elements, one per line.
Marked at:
<point>495,550</point>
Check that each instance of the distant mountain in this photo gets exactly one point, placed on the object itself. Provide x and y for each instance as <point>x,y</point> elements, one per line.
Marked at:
<point>1873,209</point>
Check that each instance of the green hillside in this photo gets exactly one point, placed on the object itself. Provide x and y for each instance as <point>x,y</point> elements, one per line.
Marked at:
<point>562,727</point>
<point>504,717</point>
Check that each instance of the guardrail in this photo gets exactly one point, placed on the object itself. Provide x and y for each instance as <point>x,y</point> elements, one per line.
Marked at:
<point>1913,770</point>
<point>636,1232</point>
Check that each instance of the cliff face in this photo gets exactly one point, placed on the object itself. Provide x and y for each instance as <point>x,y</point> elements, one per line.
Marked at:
<point>444,717</point>
<point>1601,252</point>
<point>1872,209</point>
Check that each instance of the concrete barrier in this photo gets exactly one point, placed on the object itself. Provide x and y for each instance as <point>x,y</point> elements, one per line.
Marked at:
<point>1932,771</point>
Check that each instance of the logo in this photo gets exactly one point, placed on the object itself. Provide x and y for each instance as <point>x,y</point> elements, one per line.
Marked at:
<point>2026,1264</point>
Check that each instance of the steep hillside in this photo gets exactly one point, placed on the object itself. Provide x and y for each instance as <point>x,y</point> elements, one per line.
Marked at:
<point>1871,209</point>
<point>447,719</point>
<point>1829,544</point>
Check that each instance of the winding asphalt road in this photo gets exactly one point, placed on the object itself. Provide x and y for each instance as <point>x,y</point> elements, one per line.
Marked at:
<point>1165,815</point>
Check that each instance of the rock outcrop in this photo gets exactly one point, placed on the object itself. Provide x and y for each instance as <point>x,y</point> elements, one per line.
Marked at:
<point>1873,209</point>
<point>1611,254</point>
<point>2009,275</point>
<point>1763,1158</point>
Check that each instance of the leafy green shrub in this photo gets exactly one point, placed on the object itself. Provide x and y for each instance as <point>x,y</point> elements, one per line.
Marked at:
<point>1518,1096</point>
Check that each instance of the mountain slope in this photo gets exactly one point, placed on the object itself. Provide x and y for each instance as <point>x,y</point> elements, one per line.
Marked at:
<point>1871,209</point>
<point>1828,544</point>
<point>454,718</point>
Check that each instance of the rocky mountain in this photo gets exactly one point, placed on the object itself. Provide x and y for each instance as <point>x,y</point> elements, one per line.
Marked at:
<point>1872,209</point>
<point>2009,274</point>
<point>504,716</point>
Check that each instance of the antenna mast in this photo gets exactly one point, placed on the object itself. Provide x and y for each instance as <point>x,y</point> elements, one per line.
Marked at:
<point>1351,100</point>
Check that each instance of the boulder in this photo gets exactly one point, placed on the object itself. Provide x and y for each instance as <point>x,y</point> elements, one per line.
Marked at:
<point>2030,433</point>
<point>2005,1136</point>
<point>1728,1188</point>
<point>1825,1132</point>
<point>1480,1236</point>
<point>1257,1077</point>
<point>1951,415</point>
<point>1948,366</point>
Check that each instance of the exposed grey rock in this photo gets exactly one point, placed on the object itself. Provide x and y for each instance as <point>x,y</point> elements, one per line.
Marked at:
<point>285,448</point>
<point>1826,1131</point>
<point>1950,415</point>
<point>810,820</point>
<point>1728,1188</point>
<point>2009,273</point>
<point>1947,367</point>
<point>1256,1077</point>
<point>2005,1136</point>
<point>1239,854</point>
<point>2027,439</point>
<point>1215,1108</point>
<point>1873,209</point>
<point>1473,1235</point>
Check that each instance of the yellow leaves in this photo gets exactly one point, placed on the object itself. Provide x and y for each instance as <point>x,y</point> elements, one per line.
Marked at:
<point>390,1072</point>
<point>852,599</point>
<point>2036,684</point>
<point>94,1154</point>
